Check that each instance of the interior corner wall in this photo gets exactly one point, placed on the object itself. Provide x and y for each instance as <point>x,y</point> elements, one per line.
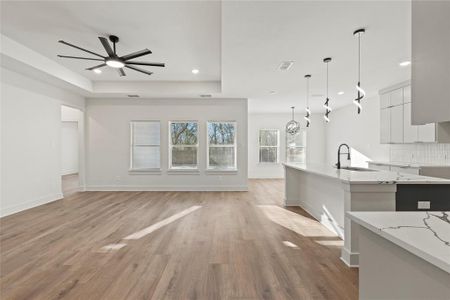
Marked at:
<point>315,142</point>
<point>360,131</point>
<point>30,141</point>
<point>108,143</point>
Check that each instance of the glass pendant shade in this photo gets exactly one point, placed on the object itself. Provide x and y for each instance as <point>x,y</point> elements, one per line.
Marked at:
<point>293,127</point>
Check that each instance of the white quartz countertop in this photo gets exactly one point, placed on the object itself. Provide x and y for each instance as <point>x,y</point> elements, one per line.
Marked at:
<point>365,177</point>
<point>409,165</point>
<point>425,234</point>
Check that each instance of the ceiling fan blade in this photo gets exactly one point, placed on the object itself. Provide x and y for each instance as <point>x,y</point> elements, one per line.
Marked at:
<point>138,69</point>
<point>145,64</point>
<point>77,57</point>
<point>136,54</point>
<point>107,46</point>
<point>121,72</point>
<point>96,67</point>
<point>79,48</point>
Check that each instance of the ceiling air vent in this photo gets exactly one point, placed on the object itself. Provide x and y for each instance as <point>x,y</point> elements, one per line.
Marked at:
<point>286,65</point>
<point>206,95</point>
<point>133,96</point>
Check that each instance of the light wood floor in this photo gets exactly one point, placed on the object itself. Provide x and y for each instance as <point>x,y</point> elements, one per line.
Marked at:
<point>237,245</point>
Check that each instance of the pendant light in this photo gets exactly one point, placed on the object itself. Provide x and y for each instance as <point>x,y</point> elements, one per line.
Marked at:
<point>326,105</point>
<point>293,127</point>
<point>308,111</point>
<point>361,93</point>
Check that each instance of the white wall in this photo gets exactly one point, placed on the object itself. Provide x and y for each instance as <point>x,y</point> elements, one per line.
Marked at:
<point>361,132</point>
<point>315,151</point>
<point>108,143</point>
<point>30,141</point>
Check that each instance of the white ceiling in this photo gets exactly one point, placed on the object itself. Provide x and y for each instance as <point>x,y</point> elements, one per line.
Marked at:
<point>239,43</point>
<point>184,35</point>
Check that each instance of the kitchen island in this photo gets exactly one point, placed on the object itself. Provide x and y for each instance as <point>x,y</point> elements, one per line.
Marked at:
<point>328,193</point>
<point>416,243</point>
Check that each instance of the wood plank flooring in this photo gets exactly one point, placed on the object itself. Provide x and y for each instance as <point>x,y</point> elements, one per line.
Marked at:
<point>237,245</point>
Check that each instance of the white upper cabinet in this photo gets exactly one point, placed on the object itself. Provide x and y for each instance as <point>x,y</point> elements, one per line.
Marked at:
<point>409,131</point>
<point>396,124</point>
<point>385,100</point>
<point>430,68</point>
<point>385,125</point>
<point>395,119</point>
<point>426,133</point>
<point>396,97</point>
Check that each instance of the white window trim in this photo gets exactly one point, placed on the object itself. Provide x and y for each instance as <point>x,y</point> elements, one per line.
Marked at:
<point>212,170</point>
<point>260,146</point>
<point>186,170</point>
<point>143,170</point>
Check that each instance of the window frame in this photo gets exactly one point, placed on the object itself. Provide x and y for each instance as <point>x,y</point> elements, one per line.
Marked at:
<point>277,146</point>
<point>234,146</point>
<point>132,145</point>
<point>304,133</point>
<point>170,146</point>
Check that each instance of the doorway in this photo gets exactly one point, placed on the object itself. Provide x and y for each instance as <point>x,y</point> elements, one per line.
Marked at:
<point>70,149</point>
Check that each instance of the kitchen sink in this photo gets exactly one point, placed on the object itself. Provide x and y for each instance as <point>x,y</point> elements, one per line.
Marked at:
<point>358,169</point>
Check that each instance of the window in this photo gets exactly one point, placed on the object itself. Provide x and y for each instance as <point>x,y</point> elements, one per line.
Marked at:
<point>296,147</point>
<point>145,145</point>
<point>221,146</point>
<point>269,145</point>
<point>183,145</point>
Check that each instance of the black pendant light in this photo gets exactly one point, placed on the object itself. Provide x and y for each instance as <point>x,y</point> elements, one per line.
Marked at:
<point>308,110</point>
<point>361,93</point>
<point>326,105</point>
<point>293,127</point>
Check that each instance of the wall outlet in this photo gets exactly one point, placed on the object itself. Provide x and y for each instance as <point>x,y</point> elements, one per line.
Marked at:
<point>423,204</point>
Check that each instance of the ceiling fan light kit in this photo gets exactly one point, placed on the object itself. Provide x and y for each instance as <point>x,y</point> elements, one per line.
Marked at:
<point>112,59</point>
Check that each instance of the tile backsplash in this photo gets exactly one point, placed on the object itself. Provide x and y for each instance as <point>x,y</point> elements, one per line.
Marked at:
<point>421,153</point>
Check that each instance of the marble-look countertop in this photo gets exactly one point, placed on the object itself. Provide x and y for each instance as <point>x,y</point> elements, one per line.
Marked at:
<point>365,177</point>
<point>425,234</point>
<point>409,165</point>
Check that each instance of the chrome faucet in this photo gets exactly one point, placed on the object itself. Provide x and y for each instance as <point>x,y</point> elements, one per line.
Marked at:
<point>338,165</point>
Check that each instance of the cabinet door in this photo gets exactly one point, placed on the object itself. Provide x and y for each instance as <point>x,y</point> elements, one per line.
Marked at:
<point>407,94</point>
<point>396,97</point>
<point>385,125</point>
<point>384,100</point>
<point>396,124</point>
<point>426,133</point>
<point>409,130</point>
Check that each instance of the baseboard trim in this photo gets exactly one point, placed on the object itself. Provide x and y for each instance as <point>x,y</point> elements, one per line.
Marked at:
<point>30,204</point>
<point>350,259</point>
<point>137,188</point>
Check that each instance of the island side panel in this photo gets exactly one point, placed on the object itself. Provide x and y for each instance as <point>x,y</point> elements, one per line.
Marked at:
<point>363,197</point>
<point>321,196</point>
<point>412,277</point>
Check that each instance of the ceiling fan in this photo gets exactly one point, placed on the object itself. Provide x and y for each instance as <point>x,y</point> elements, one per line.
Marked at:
<point>112,59</point>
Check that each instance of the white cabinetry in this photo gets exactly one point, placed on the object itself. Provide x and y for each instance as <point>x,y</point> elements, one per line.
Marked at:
<point>395,120</point>
<point>396,124</point>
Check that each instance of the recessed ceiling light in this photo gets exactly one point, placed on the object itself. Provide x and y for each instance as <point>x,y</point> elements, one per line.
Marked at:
<point>341,93</point>
<point>97,71</point>
<point>195,71</point>
<point>272,92</point>
<point>405,63</point>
